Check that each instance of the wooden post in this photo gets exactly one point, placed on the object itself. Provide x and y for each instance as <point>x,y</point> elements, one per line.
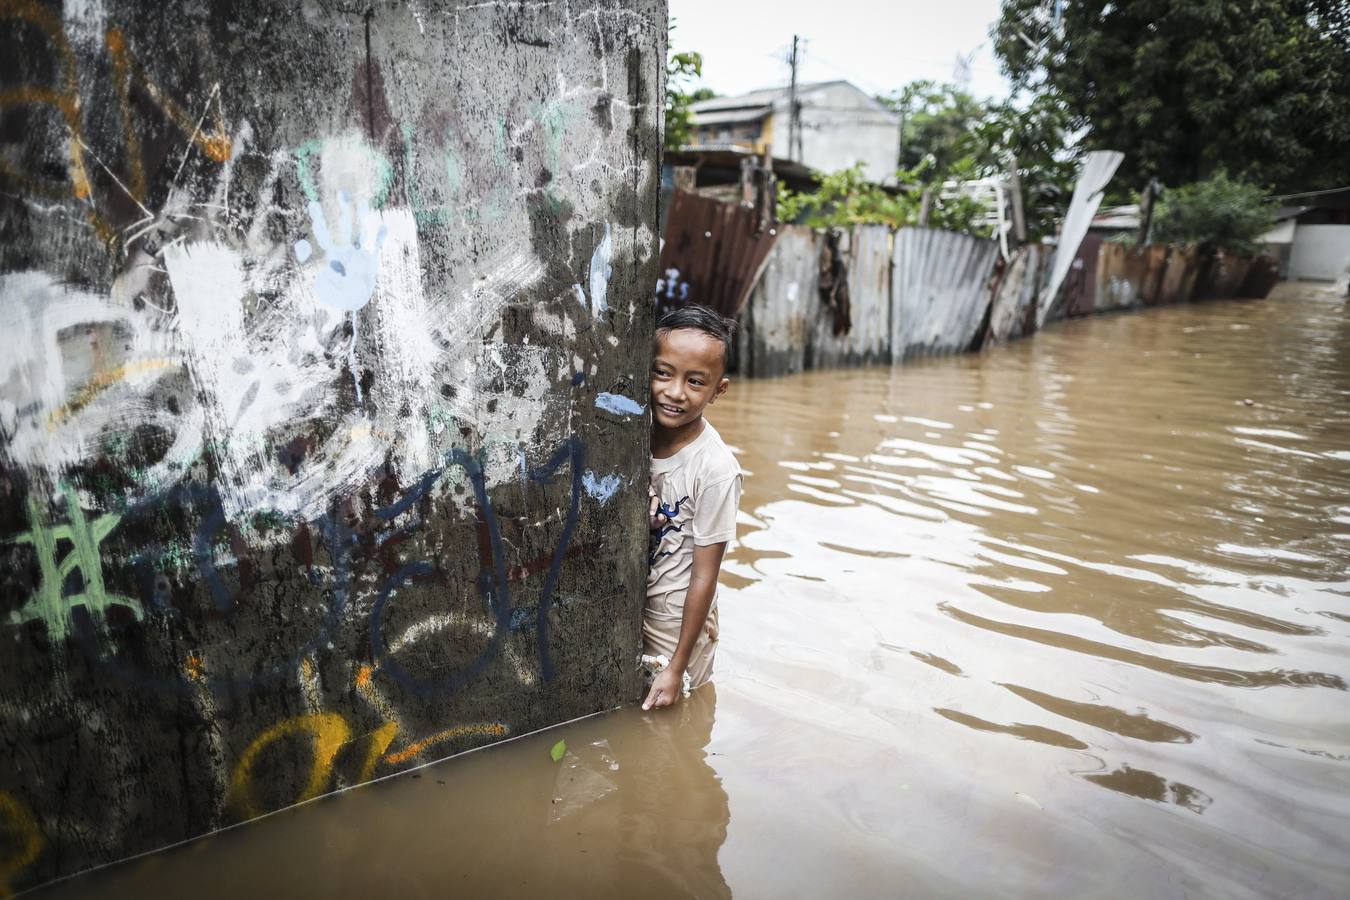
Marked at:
<point>1146,211</point>
<point>1015,188</point>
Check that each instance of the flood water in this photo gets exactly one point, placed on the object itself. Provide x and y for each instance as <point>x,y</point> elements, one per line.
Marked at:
<point>1066,618</point>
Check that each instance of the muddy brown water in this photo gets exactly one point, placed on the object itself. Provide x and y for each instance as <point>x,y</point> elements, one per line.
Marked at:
<point>1066,618</point>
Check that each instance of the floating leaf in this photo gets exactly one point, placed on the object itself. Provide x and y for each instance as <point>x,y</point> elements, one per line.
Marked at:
<point>558,750</point>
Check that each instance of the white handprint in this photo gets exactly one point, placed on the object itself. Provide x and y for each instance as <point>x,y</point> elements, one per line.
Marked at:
<point>346,280</point>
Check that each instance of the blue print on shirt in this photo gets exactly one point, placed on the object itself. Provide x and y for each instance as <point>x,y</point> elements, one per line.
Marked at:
<point>658,535</point>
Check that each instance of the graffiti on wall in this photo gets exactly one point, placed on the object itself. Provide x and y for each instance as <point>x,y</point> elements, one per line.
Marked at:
<point>313,416</point>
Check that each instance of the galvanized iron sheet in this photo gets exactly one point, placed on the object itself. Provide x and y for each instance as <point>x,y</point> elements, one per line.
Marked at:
<point>1222,277</point>
<point>1014,305</point>
<point>1178,278</point>
<point>940,285</point>
<point>1129,276</point>
<point>1080,285</point>
<point>712,253</point>
<point>1098,167</point>
<point>773,323</point>
<point>868,340</point>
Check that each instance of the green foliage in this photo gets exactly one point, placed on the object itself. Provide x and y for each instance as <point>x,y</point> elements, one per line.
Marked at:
<point>967,138</point>
<point>937,124</point>
<point>681,70</point>
<point>848,198</point>
<point>1217,213</point>
<point>1038,136</point>
<point>1187,87</point>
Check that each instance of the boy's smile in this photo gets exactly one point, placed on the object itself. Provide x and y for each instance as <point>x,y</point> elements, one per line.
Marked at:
<point>687,375</point>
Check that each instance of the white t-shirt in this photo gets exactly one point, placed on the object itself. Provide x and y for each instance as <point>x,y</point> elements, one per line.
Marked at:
<point>700,490</point>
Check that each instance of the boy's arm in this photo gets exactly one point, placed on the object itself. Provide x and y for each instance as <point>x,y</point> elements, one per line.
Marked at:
<point>697,601</point>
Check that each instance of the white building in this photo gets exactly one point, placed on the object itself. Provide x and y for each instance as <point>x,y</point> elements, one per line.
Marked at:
<point>841,125</point>
<point>1312,238</point>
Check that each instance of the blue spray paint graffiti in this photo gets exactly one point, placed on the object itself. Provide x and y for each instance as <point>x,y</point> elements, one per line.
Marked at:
<point>493,582</point>
<point>601,488</point>
<point>619,404</point>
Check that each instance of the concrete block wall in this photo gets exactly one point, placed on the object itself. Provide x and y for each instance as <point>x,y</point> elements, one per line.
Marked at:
<point>322,426</point>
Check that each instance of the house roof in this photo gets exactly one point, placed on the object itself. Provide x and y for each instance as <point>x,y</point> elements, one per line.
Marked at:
<point>722,162</point>
<point>1332,197</point>
<point>730,116</point>
<point>760,103</point>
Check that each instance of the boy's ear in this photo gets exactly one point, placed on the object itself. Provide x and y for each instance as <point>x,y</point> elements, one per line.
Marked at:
<point>723,383</point>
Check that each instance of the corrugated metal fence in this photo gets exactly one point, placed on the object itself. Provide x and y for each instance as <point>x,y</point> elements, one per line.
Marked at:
<point>911,292</point>
<point>939,291</point>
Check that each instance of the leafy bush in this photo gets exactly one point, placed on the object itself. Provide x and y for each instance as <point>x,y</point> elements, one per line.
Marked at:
<point>848,198</point>
<point>1218,213</point>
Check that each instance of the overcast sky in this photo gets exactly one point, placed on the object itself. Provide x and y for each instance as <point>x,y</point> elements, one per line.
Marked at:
<point>879,45</point>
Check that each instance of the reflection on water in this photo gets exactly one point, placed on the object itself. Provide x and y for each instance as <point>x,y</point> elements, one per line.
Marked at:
<point>1068,618</point>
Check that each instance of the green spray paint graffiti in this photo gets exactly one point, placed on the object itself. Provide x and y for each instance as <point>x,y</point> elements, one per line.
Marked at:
<point>375,164</point>
<point>50,604</point>
<point>429,215</point>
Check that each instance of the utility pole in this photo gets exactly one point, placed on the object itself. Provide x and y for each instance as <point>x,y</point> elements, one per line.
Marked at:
<point>794,112</point>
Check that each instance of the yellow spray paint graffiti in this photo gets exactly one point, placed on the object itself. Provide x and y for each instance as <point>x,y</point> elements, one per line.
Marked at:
<point>329,731</point>
<point>19,830</point>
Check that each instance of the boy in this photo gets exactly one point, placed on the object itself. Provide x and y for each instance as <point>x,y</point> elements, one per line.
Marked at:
<point>696,487</point>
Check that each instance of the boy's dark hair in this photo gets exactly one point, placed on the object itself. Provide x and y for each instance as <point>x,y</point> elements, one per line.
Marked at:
<point>696,317</point>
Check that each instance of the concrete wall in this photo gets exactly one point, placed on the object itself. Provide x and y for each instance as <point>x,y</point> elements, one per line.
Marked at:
<point>841,126</point>
<point>323,441</point>
<point>1320,252</point>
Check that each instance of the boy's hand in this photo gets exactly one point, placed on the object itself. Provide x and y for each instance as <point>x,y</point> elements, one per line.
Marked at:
<point>658,519</point>
<point>666,689</point>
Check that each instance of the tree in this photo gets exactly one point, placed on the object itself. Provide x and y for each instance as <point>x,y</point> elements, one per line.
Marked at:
<point>1218,213</point>
<point>848,198</point>
<point>962,137</point>
<point>1185,88</point>
<point>936,122</point>
<point>1038,138</point>
<point>681,70</point>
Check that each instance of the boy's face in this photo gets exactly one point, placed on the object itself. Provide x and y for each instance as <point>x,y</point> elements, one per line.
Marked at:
<point>688,373</point>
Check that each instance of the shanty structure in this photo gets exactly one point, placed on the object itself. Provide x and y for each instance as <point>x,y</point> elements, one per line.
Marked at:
<point>1312,235</point>
<point>840,125</point>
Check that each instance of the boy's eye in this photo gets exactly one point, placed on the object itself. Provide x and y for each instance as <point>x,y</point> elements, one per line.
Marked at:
<point>696,382</point>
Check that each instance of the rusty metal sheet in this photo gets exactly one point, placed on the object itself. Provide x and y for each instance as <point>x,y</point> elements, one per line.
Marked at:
<point>1013,313</point>
<point>940,288</point>
<point>773,323</point>
<point>1098,167</point>
<point>868,339</point>
<point>1129,277</point>
<point>1262,276</point>
<point>1179,274</point>
<point>712,253</point>
<point>1080,285</point>
<point>1222,276</point>
<point>1153,263</point>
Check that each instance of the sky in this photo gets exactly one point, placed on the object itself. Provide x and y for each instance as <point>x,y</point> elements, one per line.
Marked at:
<point>880,46</point>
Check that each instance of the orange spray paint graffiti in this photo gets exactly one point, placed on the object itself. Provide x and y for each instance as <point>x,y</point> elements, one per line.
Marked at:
<point>65,98</point>
<point>328,731</point>
<point>20,831</point>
